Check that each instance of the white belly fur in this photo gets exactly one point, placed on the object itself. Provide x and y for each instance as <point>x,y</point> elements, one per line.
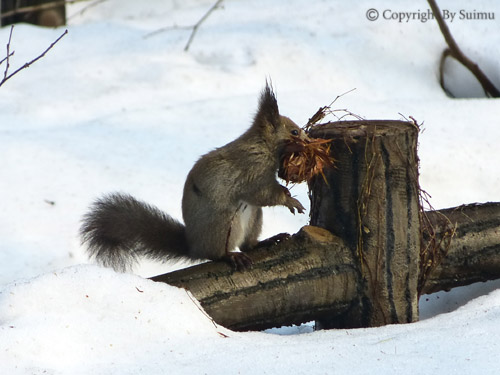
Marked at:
<point>243,222</point>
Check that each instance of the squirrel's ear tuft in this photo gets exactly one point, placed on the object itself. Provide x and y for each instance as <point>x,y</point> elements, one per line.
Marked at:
<point>268,107</point>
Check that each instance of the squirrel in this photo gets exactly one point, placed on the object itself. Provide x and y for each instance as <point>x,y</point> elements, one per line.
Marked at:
<point>221,206</point>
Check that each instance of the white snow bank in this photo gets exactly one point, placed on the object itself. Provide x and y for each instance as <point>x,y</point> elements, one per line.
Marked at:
<point>90,320</point>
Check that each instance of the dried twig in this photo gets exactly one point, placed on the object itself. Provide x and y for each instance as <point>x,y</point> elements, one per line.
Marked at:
<point>327,110</point>
<point>455,51</point>
<point>198,306</point>
<point>435,236</point>
<point>435,239</point>
<point>6,75</point>
<point>194,28</point>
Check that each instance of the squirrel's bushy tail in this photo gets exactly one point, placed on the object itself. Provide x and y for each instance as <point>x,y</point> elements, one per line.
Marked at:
<point>119,229</point>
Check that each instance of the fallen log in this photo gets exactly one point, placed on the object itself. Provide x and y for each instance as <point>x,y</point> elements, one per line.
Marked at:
<point>294,280</point>
<point>473,253</point>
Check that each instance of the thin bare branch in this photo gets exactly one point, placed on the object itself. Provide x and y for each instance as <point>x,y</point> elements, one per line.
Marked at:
<point>194,28</point>
<point>5,58</point>
<point>322,112</point>
<point>7,65</point>
<point>457,53</point>
<point>202,19</point>
<point>444,55</point>
<point>167,28</point>
<point>28,64</point>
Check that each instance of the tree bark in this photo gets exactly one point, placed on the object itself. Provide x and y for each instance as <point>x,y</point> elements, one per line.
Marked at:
<point>305,277</point>
<point>473,253</point>
<point>371,200</point>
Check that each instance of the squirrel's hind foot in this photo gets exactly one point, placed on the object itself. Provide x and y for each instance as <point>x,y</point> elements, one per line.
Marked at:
<point>239,261</point>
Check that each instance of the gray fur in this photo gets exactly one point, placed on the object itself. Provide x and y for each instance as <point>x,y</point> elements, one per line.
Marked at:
<point>222,202</point>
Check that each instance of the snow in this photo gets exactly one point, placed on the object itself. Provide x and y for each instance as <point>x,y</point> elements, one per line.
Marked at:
<point>116,107</point>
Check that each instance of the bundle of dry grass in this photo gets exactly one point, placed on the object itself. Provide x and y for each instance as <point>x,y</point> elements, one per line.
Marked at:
<point>304,159</point>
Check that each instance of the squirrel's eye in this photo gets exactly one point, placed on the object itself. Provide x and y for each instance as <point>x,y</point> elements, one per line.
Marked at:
<point>295,132</point>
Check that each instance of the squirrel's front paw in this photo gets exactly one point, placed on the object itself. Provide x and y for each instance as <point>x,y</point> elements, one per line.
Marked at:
<point>293,204</point>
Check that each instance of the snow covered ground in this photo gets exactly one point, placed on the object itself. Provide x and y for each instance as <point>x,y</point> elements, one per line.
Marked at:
<point>115,106</point>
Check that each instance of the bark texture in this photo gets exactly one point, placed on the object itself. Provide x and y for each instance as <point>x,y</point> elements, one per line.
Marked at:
<point>473,253</point>
<point>371,200</point>
<point>303,278</point>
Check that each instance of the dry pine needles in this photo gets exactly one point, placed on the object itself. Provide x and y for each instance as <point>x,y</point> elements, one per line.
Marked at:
<point>303,159</point>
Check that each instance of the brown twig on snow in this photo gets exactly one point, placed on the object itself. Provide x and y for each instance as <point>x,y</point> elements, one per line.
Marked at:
<point>455,51</point>
<point>194,28</point>
<point>6,75</point>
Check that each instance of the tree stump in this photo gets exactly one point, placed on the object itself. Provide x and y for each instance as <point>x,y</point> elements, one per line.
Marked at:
<point>370,199</point>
